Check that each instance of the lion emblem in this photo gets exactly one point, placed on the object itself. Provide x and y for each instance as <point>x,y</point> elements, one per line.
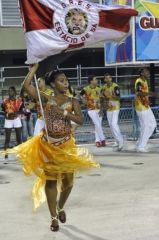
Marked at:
<point>76,21</point>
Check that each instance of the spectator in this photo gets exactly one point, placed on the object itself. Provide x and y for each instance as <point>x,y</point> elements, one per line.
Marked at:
<point>72,94</point>
<point>12,107</point>
<point>26,117</point>
<point>44,91</point>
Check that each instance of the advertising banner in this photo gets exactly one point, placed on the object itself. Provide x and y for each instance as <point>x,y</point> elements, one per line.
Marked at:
<point>147,31</point>
<point>117,52</point>
<point>142,43</point>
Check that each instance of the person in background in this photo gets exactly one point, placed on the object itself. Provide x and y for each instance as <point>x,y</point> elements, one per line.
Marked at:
<point>26,116</point>
<point>92,94</point>
<point>71,91</point>
<point>72,94</point>
<point>12,107</point>
<point>145,115</point>
<point>44,90</point>
<point>111,101</point>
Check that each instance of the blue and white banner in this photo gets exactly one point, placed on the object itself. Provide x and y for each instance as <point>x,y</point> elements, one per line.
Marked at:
<point>147,31</point>
<point>118,52</point>
<point>142,44</point>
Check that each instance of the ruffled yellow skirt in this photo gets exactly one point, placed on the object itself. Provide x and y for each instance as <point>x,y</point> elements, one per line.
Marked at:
<point>50,162</point>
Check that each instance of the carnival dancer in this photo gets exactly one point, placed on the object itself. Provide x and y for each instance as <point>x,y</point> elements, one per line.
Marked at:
<point>12,107</point>
<point>111,97</point>
<point>145,115</point>
<point>91,94</point>
<point>53,155</point>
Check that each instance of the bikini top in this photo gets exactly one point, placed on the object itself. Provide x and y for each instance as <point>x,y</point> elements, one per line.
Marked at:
<point>57,125</point>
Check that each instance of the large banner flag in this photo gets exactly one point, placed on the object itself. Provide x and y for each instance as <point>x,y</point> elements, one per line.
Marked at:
<point>55,26</point>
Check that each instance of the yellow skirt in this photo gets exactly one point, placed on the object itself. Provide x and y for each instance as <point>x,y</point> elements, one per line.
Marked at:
<point>50,162</point>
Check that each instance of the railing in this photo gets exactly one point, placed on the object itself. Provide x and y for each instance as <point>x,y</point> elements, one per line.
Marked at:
<point>128,123</point>
<point>124,75</point>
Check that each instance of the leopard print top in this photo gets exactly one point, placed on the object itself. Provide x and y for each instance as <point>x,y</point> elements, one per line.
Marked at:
<point>57,125</point>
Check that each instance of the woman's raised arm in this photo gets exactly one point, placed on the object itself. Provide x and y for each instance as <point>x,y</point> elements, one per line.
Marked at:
<point>29,88</point>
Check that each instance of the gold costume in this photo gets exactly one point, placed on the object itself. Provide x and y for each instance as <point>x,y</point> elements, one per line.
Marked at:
<point>53,159</point>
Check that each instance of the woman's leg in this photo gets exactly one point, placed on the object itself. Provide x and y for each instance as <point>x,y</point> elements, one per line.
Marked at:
<point>24,130</point>
<point>30,127</point>
<point>7,137</point>
<point>18,132</point>
<point>51,195</point>
<point>67,184</point>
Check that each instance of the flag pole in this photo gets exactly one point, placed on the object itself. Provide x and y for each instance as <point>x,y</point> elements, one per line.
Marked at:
<point>41,107</point>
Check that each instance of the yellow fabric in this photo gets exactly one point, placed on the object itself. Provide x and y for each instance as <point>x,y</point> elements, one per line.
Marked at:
<point>50,162</point>
<point>141,102</point>
<point>121,2</point>
<point>92,97</point>
<point>112,104</point>
<point>48,91</point>
<point>69,94</point>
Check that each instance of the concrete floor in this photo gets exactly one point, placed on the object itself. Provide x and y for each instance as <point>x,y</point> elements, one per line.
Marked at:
<point>119,201</point>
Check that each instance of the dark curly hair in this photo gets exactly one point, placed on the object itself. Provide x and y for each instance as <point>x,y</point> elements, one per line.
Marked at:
<point>13,88</point>
<point>90,78</point>
<point>140,71</point>
<point>50,77</point>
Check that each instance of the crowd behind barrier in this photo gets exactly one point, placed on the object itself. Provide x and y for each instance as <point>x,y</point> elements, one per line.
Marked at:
<point>85,134</point>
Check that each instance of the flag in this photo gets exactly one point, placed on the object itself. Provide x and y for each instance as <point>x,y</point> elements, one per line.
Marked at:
<point>56,26</point>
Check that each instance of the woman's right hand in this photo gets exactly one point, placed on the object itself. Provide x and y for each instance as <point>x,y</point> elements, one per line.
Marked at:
<point>29,88</point>
<point>34,67</point>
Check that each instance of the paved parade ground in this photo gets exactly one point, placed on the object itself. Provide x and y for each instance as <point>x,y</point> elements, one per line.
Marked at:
<point>119,201</point>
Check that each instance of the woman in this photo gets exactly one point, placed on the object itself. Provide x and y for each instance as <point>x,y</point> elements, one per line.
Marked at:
<point>71,93</point>
<point>39,125</point>
<point>53,155</point>
<point>26,116</point>
<point>12,107</point>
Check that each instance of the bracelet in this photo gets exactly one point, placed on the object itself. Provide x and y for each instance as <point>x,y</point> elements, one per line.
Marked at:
<point>65,113</point>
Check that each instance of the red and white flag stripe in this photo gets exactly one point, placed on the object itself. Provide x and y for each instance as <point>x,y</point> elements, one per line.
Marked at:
<point>55,26</point>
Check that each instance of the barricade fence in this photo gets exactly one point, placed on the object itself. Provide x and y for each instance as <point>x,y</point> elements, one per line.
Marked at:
<point>128,123</point>
<point>78,78</point>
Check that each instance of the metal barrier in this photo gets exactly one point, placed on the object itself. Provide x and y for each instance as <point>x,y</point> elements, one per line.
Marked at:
<point>85,133</point>
<point>128,123</point>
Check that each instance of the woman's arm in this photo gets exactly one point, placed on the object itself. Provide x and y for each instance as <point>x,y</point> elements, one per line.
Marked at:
<point>77,115</point>
<point>29,88</point>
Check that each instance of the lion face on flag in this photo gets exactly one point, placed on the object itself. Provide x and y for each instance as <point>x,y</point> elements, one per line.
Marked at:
<point>76,21</point>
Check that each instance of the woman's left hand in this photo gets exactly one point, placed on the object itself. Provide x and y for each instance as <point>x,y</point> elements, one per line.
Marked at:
<point>55,109</point>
